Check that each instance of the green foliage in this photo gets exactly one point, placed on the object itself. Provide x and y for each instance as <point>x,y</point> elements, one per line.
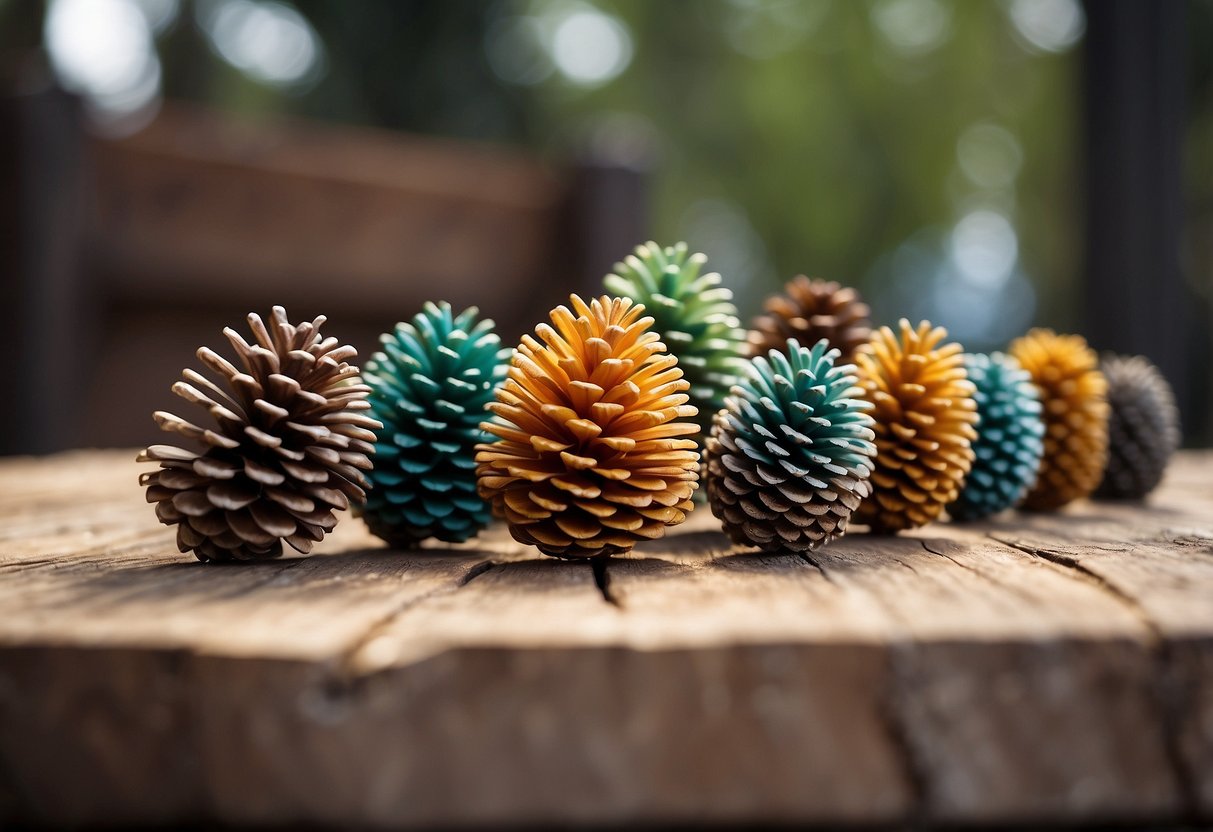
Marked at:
<point>429,388</point>
<point>694,315</point>
<point>1009,437</point>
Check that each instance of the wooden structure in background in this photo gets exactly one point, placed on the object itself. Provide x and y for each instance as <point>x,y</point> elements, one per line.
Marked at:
<point>1033,668</point>
<point>1136,298</point>
<point>201,218</point>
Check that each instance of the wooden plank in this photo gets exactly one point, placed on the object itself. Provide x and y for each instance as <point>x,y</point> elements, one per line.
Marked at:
<point>259,211</point>
<point>1032,668</point>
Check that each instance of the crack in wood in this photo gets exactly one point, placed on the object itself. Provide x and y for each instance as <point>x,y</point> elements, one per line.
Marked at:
<point>346,675</point>
<point>1071,563</point>
<point>890,714</point>
<point>893,720</point>
<point>1168,699</point>
<point>807,558</point>
<point>602,580</point>
<point>1005,587</point>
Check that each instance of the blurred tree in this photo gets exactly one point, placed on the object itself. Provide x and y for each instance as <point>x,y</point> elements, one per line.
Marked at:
<point>923,150</point>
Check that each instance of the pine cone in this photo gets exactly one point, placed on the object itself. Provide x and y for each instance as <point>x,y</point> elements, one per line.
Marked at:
<point>790,454</point>
<point>288,446</point>
<point>1073,393</point>
<point>693,315</point>
<point>1143,427</point>
<point>589,458</point>
<point>1010,435</point>
<point>925,413</point>
<point>808,311</point>
<point>429,387</point>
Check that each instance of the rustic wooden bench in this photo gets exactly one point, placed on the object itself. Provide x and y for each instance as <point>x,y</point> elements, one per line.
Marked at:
<point>1047,668</point>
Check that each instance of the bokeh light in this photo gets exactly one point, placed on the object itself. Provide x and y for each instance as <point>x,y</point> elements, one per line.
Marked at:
<point>1048,25</point>
<point>585,45</point>
<point>270,42</point>
<point>989,155</point>
<point>104,50</point>
<point>589,46</point>
<point>913,27</point>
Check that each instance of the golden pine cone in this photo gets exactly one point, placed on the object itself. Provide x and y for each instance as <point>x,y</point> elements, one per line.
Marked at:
<point>1074,394</point>
<point>590,459</point>
<point>925,413</point>
<point>809,310</point>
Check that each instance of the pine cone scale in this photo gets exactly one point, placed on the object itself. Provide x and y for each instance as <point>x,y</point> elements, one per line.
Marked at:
<point>585,437</point>
<point>925,415</point>
<point>1143,427</point>
<point>808,311</point>
<point>771,480</point>
<point>266,437</point>
<point>1073,394</point>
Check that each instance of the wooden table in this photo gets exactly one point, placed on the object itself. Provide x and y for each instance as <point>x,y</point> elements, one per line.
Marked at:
<point>1054,668</point>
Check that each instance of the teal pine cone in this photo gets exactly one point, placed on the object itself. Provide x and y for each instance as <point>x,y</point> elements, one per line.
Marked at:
<point>694,315</point>
<point>1010,435</point>
<point>790,455</point>
<point>429,387</point>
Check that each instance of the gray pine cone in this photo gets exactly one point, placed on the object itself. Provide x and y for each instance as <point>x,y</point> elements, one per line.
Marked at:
<point>1143,427</point>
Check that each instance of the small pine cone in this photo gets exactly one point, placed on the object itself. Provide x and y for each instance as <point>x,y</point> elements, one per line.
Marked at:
<point>925,416</point>
<point>429,387</point>
<point>810,310</point>
<point>1010,435</point>
<point>590,458</point>
<point>1143,427</point>
<point>791,452</point>
<point>1073,393</point>
<point>287,449</point>
<point>693,315</point>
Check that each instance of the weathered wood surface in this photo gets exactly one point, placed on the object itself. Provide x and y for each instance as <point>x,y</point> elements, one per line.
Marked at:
<point>1033,668</point>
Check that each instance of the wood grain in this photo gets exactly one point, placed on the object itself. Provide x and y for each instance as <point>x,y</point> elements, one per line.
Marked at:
<point>1033,668</point>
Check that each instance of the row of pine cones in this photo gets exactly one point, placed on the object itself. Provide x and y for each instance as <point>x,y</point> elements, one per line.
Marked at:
<point>604,422</point>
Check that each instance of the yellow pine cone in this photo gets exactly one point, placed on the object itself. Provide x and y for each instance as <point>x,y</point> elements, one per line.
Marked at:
<point>590,458</point>
<point>1073,393</point>
<point>925,414</point>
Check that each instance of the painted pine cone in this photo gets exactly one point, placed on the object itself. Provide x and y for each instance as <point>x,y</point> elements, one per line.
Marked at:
<point>692,313</point>
<point>791,452</point>
<point>1143,427</point>
<point>925,415</point>
<point>590,458</point>
<point>1010,436</point>
<point>287,449</point>
<point>1073,393</point>
<point>809,310</point>
<point>429,387</point>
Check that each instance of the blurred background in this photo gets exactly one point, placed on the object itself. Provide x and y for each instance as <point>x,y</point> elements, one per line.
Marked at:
<point>168,165</point>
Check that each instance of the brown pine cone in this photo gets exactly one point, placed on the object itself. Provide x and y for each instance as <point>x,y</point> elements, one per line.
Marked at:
<point>1143,427</point>
<point>925,413</point>
<point>288,446</point>
<point>791,451</point>
<point>1073,393</point>
<point>590,458</point>
<point>808,311</point>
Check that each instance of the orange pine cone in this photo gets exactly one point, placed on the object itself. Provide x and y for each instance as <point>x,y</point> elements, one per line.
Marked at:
<point>925,414</point>
<point>1074,394</point>
<point>590,457</point>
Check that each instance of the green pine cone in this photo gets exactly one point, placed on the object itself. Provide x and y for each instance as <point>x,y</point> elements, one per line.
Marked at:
<point>790,455</point>
<point>429,387</point>
<point>1010,434</point>
<point>694,315</point>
